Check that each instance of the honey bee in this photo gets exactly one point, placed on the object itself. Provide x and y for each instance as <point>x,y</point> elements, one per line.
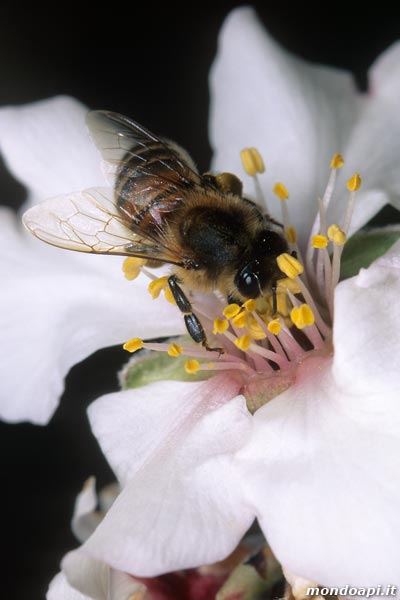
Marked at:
<point>161,209</point>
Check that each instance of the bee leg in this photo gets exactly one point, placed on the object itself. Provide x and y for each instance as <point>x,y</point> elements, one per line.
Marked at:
<point>193,325</point>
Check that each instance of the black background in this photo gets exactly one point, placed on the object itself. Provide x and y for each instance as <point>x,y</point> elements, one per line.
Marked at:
<point>152,64</point>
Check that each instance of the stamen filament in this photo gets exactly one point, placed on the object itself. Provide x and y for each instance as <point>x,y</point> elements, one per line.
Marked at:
<point>349,212</point>
<point>260,196</point>
<point>226,366</point>
<point>319,225</point>
<point>335,275</point>
<point>149,274</point>
<point>322,326</point>
<point>292,348</point>
<point>272,338</point>
<point>328,280</point>
<point>268,354</point>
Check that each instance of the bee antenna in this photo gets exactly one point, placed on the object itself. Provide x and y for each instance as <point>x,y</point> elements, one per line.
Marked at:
<point>274,299</point>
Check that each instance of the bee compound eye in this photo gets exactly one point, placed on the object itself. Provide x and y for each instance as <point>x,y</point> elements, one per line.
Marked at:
<point>247,282</point>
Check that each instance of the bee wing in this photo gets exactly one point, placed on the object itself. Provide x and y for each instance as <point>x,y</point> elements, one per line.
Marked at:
<point>88,221</point>
<point>131,151</point>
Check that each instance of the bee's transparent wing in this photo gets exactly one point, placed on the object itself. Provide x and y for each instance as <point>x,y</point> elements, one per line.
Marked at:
<point>128,147</point>
<point>88,221</point>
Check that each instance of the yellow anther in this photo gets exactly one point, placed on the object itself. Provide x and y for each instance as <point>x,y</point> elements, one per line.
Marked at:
<point>302,316</point>
<point>291,234</point>
<point>337,161</point>
<point>131,267</point>
<point>243,343</point>
<point>255,329</point>
<point>336,235</point>
<point>169,295</point>
<point>240,319</point>
<point>274,326</point>
<point>288,284</point>
<point>155,287</point>
<point>133,345</point>
<point>249,305</point>
<point>319,241</point>
<point>174,350</point>
<point>354,183</point>
<point>231,311</point>
<point>289,265</point>
<point>281,191</point>
<point>220,325</point>
<point>252,161</point>
<point>192,366</point>
<point>210,365</point>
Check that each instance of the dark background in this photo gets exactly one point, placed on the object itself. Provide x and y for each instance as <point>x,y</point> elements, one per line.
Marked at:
<point>151,64</point>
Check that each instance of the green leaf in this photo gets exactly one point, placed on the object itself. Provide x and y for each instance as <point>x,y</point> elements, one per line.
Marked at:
<point>364,247</point>
<point>157,366</point>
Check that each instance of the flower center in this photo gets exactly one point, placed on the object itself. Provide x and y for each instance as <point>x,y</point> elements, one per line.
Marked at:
<point>266,339</point>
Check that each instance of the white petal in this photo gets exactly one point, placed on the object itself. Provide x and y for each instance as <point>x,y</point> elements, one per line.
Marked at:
<point>85,518</point>
<point>298,115</point>
<point>384,75</point>
<point>391,259</point>
<point>383,167</point>
<point>47,147</point>
<point>98,580</point>
<point>55,311</point>
<point>172,444</point>
<point>323,474</point>
<point>60,589</point>
<point>367,330</point>
<point>154,418</point>
<point>374,145</point>
<point>87,575</point>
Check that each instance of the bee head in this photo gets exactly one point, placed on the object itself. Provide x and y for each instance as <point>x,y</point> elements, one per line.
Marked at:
<point>261,270</point>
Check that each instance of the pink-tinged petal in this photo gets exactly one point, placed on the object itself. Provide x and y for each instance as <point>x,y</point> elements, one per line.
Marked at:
<point>55,310</point>
<point>97,580</point>
<point>171,443</point>
<point>155,418</point>
<point>323,474</point>
<point>46,146</point>
<point>367,332</point>
<point>297,114</point>
<point>60,589</point>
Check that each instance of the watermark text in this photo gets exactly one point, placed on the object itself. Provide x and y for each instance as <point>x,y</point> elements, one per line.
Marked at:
<point>348,590</point>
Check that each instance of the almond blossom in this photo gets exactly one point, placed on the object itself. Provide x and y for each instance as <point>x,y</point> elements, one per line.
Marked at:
<point>324,493</point>
<point>297,424</point>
